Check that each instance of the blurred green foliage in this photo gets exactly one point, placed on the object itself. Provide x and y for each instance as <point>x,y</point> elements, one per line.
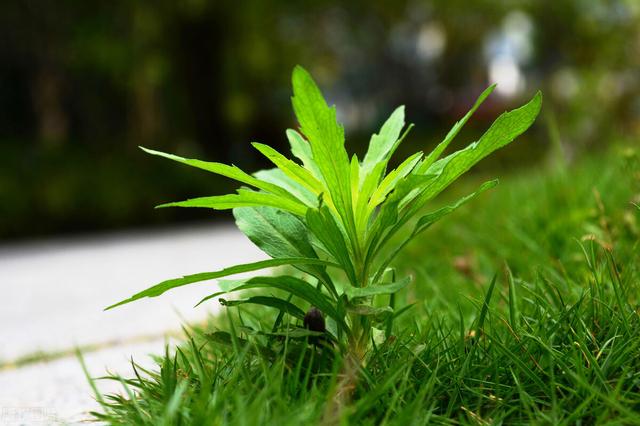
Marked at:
<point>83,83</point>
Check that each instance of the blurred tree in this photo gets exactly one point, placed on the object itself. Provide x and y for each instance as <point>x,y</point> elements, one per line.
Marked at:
<point>83,83</point>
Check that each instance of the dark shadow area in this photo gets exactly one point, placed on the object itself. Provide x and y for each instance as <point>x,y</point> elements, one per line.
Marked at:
<point>82,84</point>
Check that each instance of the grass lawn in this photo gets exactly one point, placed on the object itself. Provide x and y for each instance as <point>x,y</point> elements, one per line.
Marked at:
<point>524,310</point>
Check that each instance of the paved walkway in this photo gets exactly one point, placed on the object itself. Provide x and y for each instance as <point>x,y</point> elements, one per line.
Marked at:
<point>52,296</point>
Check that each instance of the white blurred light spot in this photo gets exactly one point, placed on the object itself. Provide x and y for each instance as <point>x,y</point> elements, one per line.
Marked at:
<point>518,30</point>
<point>431,41</point>
<point>504,71</point>
<point>507,51</point>
<point>565,84</point>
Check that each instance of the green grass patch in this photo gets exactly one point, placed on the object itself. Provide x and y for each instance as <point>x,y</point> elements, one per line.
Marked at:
<point>524,311</point>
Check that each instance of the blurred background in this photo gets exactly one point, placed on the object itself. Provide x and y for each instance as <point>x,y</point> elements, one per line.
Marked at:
<point>82,84</point>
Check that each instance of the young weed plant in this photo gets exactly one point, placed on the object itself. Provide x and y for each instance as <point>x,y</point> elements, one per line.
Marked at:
<point>332,218</point>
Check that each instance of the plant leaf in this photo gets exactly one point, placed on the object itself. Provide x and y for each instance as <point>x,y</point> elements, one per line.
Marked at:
<point>277,177</point>
<point>443,172</point>
<point>324,227</point>
<point>269,301</point>
<point>301,149</point>
<point>291,169</point>
<point>427,220</point>
<point>244,198</point>
<point>232,172</point>
<point>326,137</point>
<point>355,180</point>
<point>276,232</point>
<point>164,286</point>
<point>280,234</point>
<point>292,285</point>
<point>504,130</point>
<point>369,310</point>
<point>437,152</point>
<point>373,290</point>
<point>383,144</point>
<point>391,180</point>
<point>367,188</point>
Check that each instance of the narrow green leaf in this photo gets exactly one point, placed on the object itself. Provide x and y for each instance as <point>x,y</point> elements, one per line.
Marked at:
<point>426,221</point>
<point>291,169</point>
<point>514,313</point>
<point>301,149</point>
<point>326,137</point>
<point>429,219</point>
<point>437,152</point>
<point>277,177</point>
<point>293,285</point>
<point>373,290</point>
<point>272,302</point>
<point>390,181</point>
<point>367,188</point>
<point>485,305</point>
<point>368,310</point>
<point>164,286</point>
<point>244,198</point>
<point>383,144</point>
<point>503,131</point>
<point>232,172</point>
<point>355,179</point>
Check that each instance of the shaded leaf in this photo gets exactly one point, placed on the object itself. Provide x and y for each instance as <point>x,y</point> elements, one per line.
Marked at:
<point>323,225</point>
<point>293,285</point>
<point>280,234</point>
<point>276,232</point>
<point>373,290</point>
<point>272,302</point>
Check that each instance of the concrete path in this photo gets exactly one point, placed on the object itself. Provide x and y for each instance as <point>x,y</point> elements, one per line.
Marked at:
<point>53,293</point>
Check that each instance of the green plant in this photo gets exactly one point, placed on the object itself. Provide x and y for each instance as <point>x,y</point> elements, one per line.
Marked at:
<point>333,218</point>
<point>553,341</point>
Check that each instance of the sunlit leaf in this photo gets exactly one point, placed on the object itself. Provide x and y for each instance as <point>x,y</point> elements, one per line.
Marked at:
<point>385,142</point>
<point>291,169</point>
<point>326,137</point>
<point>232,172</point>
<point>164,286</point>
<point>244,198</point>
<point>437,152</point>
<point>301,149</point>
